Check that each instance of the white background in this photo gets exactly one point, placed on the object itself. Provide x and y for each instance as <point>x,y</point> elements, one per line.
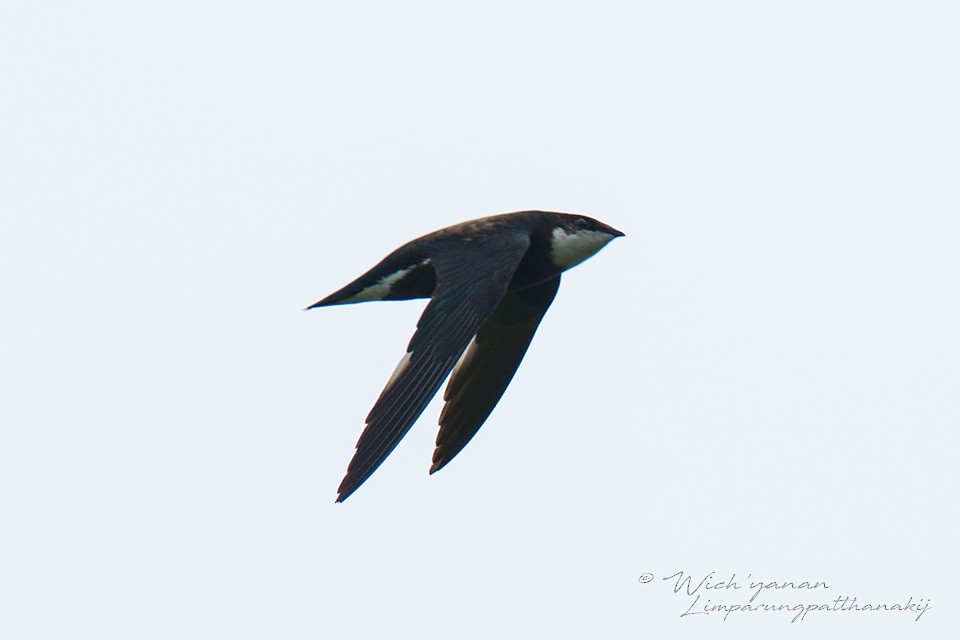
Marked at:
<point>761,378</point>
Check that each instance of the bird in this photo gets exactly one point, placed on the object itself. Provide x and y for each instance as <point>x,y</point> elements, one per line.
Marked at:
<point>490,281</point>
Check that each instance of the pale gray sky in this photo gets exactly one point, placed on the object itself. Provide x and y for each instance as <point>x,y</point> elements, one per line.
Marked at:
<point>761,378</point>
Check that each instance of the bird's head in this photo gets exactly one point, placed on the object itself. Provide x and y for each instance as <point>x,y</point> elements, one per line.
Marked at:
<point>575,238</point>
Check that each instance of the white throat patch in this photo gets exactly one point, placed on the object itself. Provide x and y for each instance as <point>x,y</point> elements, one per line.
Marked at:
<point>568,250</point>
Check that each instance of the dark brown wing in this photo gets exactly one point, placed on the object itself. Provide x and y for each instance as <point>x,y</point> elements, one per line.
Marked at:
<point>482,375</point>
<point>472,276</point>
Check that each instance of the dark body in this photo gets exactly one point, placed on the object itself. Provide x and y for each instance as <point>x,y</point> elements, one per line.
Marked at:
<point>490,282</point>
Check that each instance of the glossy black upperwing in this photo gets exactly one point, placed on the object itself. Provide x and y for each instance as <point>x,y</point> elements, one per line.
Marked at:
<point>488,366</point>
<point>472,277</point>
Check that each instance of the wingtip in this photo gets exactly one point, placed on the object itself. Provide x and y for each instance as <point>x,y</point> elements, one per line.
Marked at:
<point>344,491</point>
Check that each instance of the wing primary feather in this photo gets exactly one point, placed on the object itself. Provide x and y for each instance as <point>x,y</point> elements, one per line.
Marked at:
<point>470,284</point>
<point>386,434</point>
<point>488,366</point>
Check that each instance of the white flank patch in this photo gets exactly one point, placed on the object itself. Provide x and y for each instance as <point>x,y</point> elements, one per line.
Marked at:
<point>382,289</point>
<point>568,250</point>
<point>401,367</point>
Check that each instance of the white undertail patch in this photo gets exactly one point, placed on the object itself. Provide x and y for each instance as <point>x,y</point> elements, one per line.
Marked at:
<point>381,289</point>
<point>570,249</point>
